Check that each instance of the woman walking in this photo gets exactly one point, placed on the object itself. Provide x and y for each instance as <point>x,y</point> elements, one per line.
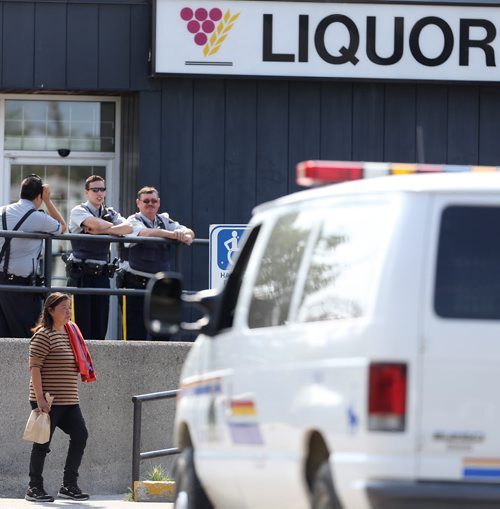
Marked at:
<point>57,355</point>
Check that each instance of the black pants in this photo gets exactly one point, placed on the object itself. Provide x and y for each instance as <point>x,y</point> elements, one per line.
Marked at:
<point>91,311</point>
<point>18,313</point>
<point>136,330</point>
<point>69,418</point>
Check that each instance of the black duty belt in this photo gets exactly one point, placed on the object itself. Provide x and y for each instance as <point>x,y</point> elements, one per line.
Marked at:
<point>135,280</point>
<point>16,280</point>
<point>90,269</point>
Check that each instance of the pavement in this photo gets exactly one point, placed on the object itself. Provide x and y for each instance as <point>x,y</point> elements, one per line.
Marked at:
<point>95,502</point>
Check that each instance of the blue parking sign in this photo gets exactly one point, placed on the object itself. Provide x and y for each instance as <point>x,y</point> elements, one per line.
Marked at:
<point>228,246</point>
<point>224,240</point>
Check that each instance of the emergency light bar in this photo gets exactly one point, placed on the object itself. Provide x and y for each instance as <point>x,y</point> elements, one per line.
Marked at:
<point>315,173</point>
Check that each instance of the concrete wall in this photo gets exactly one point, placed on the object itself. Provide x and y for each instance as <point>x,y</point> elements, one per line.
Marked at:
<point>124,369</point>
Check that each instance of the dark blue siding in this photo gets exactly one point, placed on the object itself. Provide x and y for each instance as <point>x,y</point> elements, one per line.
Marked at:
<point>177,182</point>
<point>489,126</point>
<point>432,111</point>
<point>216,147</point>
<point>304,128</point>
<point>83,46</point>
<point>399,123</point>
<point>368,122</point>
<point>271,170</point>
<point>336,121</point>
<point>114,47</point>
<point>240,149</point>
<point>50,46</point>
<point>18,44</point>
<point>463,124</point>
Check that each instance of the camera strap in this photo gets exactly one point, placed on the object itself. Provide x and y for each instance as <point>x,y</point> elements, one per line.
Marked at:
<point>6,245</point>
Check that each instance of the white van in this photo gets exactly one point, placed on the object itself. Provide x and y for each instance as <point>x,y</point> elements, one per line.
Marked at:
<point>353,359</point>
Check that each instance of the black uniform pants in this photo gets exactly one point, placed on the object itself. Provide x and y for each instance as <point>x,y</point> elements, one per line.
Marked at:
<point>91,311</point>
<point>69,418</point>
<point>19,312</point>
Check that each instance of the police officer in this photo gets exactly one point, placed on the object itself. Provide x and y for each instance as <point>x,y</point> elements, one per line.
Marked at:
<point>89,265</point>
<point>146,259</point>
<point>19,258</point>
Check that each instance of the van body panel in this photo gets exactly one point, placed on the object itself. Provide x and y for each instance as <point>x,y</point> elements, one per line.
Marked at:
<point>280,371</point>
<point>460,410</point>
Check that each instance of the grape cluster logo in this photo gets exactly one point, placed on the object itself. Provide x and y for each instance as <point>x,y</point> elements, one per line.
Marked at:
<point>201,23</point>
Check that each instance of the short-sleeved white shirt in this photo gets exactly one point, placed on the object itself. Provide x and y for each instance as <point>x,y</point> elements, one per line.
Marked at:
<point>24,253</point>
<point>84,211</point>
<point>138,225</point>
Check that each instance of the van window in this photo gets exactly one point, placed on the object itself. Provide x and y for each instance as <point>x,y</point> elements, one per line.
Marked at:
<point>342,275</point>
<point>278,269</point>
<point>468,263</point>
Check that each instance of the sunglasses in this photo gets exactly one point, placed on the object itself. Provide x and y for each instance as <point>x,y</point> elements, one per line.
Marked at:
<point>147,201</point>
<point>97,189</point>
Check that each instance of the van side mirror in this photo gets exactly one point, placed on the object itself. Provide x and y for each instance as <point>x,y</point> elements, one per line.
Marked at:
<point>163,304</point>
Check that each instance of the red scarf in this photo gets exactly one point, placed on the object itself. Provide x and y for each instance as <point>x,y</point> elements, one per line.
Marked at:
<point>82,355</point>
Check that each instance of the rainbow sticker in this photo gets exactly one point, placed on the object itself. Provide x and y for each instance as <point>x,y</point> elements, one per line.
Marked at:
<point>243,424</point>
<point>482,468</point>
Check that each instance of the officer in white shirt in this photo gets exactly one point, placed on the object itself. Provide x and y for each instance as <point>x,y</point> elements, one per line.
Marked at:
<point>89,264</point>
<point>146,259</point>
<point>19,258</point>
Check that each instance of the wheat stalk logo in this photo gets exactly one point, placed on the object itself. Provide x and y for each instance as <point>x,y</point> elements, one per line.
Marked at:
<point>219,36</point>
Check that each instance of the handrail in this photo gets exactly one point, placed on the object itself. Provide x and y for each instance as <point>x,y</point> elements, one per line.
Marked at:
<point>137,455</point>
<point>47,260</point>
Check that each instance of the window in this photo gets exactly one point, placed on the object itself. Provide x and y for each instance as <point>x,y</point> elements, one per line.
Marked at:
<point>278,269</point>
<point>345,261</point>
<point>232,289</point>
<point>81,126</point>
<point>468,263</point>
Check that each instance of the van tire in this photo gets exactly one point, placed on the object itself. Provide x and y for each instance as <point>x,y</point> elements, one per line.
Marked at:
<point>323,492</point>
<point>189,491</point>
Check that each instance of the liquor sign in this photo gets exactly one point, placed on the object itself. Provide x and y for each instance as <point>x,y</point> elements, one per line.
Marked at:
<point>327,40</point>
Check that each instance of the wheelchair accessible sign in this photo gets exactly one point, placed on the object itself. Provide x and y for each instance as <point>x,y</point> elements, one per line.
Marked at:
<point>224,245</point>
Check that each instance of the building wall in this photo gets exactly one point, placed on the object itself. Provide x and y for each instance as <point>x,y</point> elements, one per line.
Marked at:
<point>74,45</point>
<point>216,147</point>
<point>222,145</point>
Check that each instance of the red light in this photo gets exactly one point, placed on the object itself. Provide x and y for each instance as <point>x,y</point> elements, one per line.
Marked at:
<point>387,397</point>
<point>311,173</point>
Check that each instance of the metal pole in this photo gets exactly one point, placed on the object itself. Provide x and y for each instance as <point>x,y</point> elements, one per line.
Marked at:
<point>47,262</point>
<point>136,440</point>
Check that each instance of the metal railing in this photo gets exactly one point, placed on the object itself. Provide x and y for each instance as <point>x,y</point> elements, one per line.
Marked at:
<point>137,455</point>
<point>47,261</point>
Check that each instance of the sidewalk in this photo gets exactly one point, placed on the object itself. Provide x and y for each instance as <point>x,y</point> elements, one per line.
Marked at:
<point>95,502</point>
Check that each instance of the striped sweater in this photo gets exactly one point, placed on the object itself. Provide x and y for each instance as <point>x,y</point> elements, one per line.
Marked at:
<point>51,351</point>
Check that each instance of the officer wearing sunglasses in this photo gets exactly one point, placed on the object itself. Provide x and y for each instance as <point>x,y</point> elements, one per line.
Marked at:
<point>146,259</point>
<point>89,265</point>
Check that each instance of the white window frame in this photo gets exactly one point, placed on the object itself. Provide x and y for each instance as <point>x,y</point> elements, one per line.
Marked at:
<point>111,160</point>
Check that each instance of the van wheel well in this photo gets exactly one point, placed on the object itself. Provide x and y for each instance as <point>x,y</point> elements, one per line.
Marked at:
<point>184,437</point>
<point>317,454</point>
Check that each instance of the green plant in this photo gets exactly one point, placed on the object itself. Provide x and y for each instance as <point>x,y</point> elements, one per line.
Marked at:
<point>130,495</point>
<point>157,474</point>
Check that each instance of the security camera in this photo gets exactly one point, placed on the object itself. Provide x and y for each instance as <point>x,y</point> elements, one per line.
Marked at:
<point>64,152</point>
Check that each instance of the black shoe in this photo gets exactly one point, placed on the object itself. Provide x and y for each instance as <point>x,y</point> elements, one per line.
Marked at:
<point>73,492</point>
<point>38,495</point>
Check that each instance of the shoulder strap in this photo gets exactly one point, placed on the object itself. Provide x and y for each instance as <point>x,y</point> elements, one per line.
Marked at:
<point>88,208</point>
<point>6,245</point>
<point>141,219</point>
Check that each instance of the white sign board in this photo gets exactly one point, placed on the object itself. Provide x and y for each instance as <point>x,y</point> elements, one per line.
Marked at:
<point>224,245</point>
<point>327,40</point>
